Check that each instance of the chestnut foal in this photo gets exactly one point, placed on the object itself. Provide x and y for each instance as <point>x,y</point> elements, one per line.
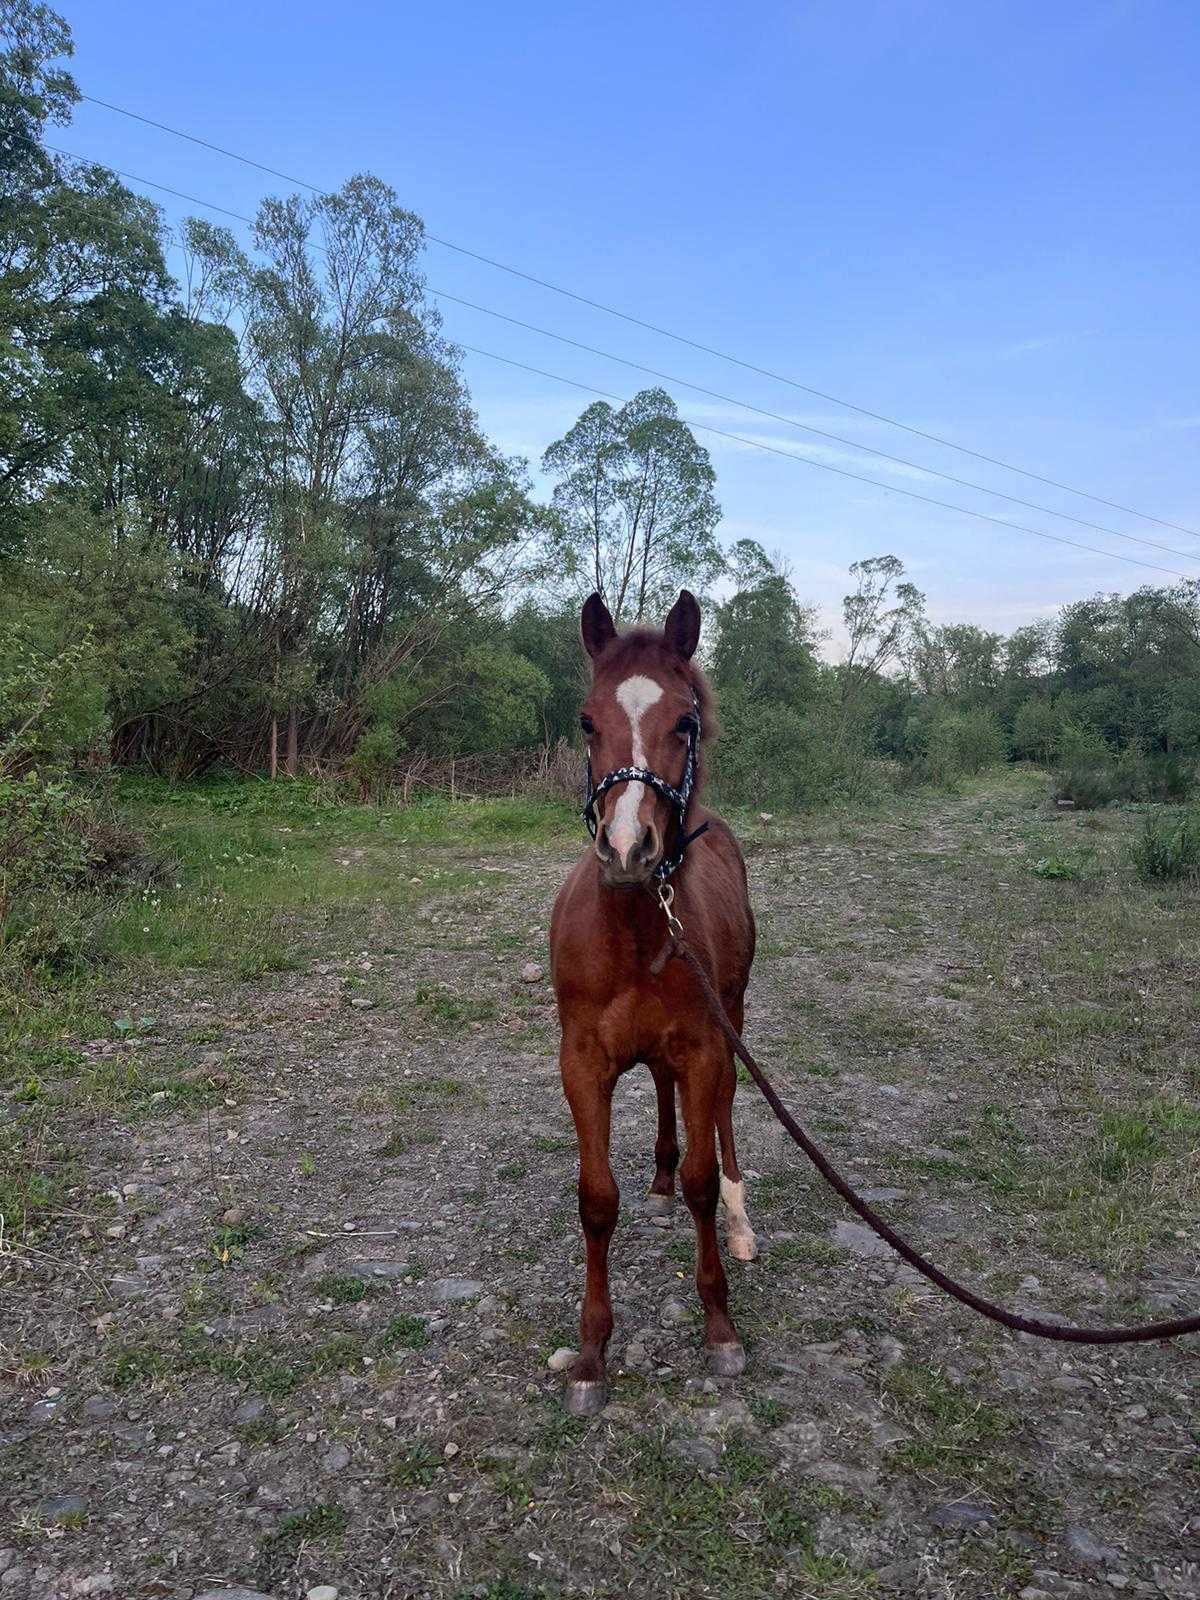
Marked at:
<point>648,710</point>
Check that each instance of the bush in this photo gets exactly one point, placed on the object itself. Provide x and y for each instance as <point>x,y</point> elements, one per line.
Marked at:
<point>373,759</point>
<point>55,841</point>
<point>1132,775</point>
<point>956,744</point>
<point>1169,847</point>
<point>771,755</point>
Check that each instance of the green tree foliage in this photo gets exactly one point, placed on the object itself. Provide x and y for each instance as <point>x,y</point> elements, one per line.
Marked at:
<point>638,515</point>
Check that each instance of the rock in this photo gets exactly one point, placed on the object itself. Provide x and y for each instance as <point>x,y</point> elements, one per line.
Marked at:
<point>94,1583</point>
<point>801,1441</point>
<point>450,1449</point>
<point>532,973</point>
<point>1086,1547</point>
<point>234,1594</point>
<point>323,1591</point>
<point>389,1270</point>
<point>57,1507</point>
<point>962,1514</point>
<point>883,1196</point>
<point>891,1351</point>
<point>99,1408</point>
<point>674,1314</point>
<point>251,1409</point>
<point>336,1458</point>
<point>561,1359</point>
<point>702,1455</point>
<point>860,1240</point>
<point>127,1286</point>
<point>444,1290</point>
<point>42,1410</point>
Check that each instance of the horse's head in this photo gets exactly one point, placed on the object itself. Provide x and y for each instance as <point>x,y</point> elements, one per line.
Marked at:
<point>642,711</point>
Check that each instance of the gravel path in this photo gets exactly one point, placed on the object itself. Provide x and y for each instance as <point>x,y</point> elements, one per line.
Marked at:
<point>290,1332</point>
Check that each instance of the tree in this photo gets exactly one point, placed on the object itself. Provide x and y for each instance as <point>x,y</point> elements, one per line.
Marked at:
<point>636,502</point>
<point>766,639</point>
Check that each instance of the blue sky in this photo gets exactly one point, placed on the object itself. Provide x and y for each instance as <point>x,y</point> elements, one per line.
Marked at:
<point>978,217</point>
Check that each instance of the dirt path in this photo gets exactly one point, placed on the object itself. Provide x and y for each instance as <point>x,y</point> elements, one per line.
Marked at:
<point>291,1326</point>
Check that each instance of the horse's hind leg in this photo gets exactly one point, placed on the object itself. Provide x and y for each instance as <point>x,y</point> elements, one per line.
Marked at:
<point>739,1234</point>
<point>661,1199</point>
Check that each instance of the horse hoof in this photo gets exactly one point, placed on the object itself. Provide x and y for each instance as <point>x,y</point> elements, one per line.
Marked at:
<point>726,1360</point>
<point>743,1246</point>
<point>660,1205</point>
<point>586,1399</point>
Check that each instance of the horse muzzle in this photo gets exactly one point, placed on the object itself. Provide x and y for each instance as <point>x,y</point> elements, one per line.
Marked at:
<point>628,857</point>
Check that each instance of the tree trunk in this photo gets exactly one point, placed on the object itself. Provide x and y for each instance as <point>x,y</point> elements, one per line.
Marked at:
<point>293,742</point>
<point>274,748</point>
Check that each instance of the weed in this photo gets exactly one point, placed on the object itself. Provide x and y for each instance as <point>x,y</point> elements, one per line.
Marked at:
<point>405,1332</point>
<point>341,1288</point>
<point>1168,848</point>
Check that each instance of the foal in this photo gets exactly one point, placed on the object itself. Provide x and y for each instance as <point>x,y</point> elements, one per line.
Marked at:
<point>649,707</point>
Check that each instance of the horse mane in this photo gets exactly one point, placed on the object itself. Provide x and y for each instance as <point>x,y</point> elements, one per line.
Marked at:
<point>641,646</point>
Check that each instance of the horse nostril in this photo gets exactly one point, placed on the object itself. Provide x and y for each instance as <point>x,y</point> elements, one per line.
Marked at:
<point>603,849</point>
<point>647,848</point>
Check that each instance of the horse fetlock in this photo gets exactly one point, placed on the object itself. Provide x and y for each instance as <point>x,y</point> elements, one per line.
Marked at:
<point>739,1234</point>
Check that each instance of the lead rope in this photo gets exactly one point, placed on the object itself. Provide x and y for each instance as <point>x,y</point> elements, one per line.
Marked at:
<point>678,948</point>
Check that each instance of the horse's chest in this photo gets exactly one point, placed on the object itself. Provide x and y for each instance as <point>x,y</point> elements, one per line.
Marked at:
<point>638,1023</point>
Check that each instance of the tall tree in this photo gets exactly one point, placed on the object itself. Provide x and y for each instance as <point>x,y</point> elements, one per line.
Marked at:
<point>635,496</point>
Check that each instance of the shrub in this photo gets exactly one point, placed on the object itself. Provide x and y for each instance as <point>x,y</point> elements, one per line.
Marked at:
<point>373,759</point>
<point>1168,847</point>
<point>956,744</point>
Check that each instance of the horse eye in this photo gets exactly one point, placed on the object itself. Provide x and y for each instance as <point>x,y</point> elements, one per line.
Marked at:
<point>588,726</point>
<point>686,724</point>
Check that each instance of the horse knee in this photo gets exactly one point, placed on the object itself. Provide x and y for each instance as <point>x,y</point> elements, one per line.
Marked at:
<point>598,1206</point>
<point>699,1184</point>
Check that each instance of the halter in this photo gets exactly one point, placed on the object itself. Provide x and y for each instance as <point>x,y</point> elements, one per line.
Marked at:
<point>678,798</point>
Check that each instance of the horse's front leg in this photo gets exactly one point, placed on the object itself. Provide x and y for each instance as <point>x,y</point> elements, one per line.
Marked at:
<point>700,1081</point>
<point>588,1078</point>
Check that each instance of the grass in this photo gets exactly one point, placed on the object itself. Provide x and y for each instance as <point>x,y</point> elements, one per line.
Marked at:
<point>954,1429</point>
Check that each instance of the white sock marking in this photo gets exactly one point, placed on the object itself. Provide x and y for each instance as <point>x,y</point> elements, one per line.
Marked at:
<point>635,696</point>
<point>740,1235</point>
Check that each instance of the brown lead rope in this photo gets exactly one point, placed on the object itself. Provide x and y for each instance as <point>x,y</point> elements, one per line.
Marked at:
<point>1172,1329</point>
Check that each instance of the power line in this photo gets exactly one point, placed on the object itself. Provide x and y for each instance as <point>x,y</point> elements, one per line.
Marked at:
<point>843,472</point>
<point>678,338</point>
<point>821,433</point>
<point>653,372</point>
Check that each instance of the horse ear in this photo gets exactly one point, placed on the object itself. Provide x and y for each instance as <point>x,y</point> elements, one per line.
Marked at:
<point>596,627</point>
<point>681,630</point>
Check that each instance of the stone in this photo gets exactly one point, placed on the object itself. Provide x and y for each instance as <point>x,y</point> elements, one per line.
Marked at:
<point>99,1408</point>
<point>127,1286</point>
<point>251,1409</point>
<point>1086,1547</point>
<point>389,1270</point>
<point>860,1240</point>
<point>234,1594</point>
<point>702,1455</point>
<point>444,1290</point>
<point>801,1441</point>
<point>322,1591</point>
<point>532,973</point>
<point>94,1583</point>
<point>336,1458</point>
<point>57,1507</point>
<point>962,1514</point>
<point>561,1359</point>
<point>674,1314</point>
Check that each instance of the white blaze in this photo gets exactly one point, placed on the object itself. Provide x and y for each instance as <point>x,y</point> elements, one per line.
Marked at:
<point>635,696</point>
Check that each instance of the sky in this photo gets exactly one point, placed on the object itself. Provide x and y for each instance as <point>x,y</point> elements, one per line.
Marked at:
<point>978,217</point>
